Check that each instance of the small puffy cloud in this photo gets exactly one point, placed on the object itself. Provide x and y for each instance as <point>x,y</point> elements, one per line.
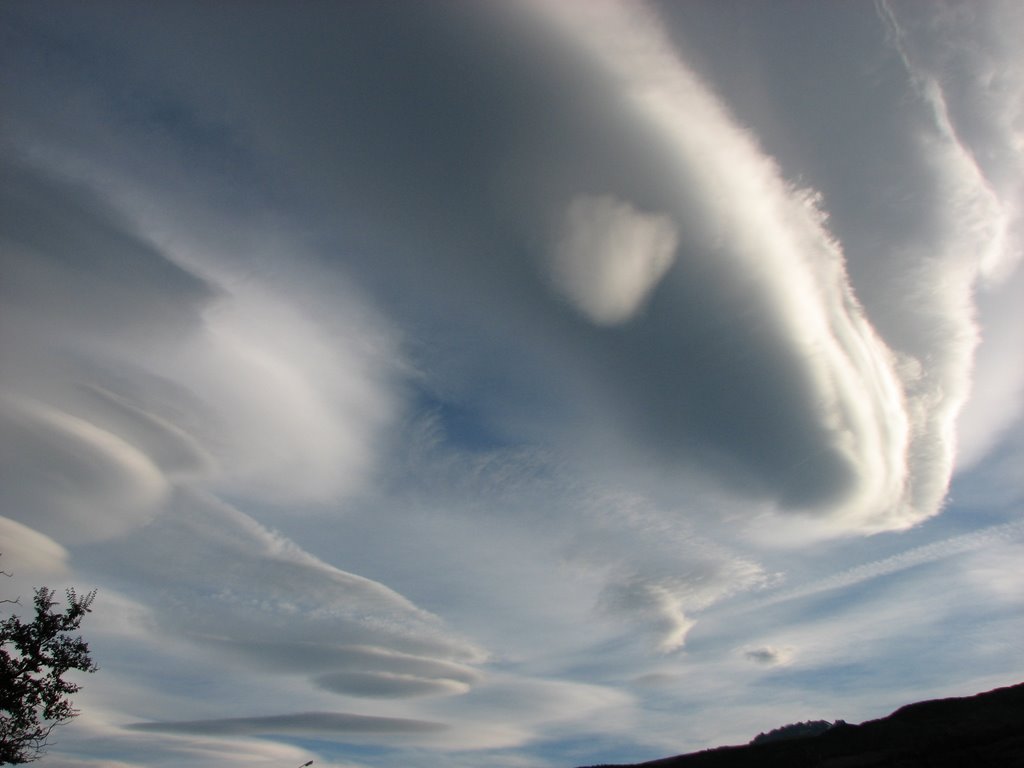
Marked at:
<point>770,656</point>
<point>610,256</point>
<point>658,606</point>
<point>655,572</point>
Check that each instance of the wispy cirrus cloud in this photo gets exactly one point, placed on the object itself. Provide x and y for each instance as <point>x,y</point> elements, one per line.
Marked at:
<point>965,68</point>
<point>927,553</point>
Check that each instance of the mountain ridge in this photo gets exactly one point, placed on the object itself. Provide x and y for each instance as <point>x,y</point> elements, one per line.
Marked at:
<point>985,730</point>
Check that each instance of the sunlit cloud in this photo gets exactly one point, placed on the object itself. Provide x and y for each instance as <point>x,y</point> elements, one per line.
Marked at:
<point>28,552</point>
<point>590,376</point>
<point>85,466</point>
<point>610,257</point>
<point>738,210</point>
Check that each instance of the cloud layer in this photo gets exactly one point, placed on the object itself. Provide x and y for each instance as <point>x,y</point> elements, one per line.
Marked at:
<point>305,723</point>
<point>538,382</point>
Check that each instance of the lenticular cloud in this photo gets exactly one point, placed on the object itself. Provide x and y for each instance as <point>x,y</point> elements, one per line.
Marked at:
<point>881,442</point>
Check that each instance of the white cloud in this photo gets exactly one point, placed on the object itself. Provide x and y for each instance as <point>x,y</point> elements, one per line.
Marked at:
<point>531,709</point>
<point>234,387</point>
<point>994,569</point>
<point>609,257</point>
<point>926,553</point>
<point>997,390</point>
<point>968,70</point>
<point>299,413</point>
<point>655,571</point>
<point>886,408</point>
<point>736,207</point>
<point>57,465</point>
<point>234,380</point>
<point>657,604</point>
<point>230,579</point>
<point>27,553</point>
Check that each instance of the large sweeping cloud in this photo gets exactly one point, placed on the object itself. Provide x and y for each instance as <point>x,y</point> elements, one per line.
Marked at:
<point>760,270</point>
<point>716,323</point>
<point>519,378</point>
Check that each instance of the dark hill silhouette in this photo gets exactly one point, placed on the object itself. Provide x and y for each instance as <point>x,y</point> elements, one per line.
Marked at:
<point>982,731</point>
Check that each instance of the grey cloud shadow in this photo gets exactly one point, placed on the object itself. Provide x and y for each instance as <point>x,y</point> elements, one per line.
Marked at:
<point>356,670</point>
<point>707,377</point>
<point>299,724</point>
<point>70,255</point>
<point>312,656</point>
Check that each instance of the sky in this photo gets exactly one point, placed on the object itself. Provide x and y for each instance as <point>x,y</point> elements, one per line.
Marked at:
<point>517,384</point>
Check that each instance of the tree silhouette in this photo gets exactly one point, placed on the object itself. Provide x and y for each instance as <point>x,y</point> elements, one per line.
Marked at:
<point>34,657</point>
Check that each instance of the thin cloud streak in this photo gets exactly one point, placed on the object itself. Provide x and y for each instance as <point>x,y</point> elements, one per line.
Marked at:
<point>927,553</point>
<point>302,723</point>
